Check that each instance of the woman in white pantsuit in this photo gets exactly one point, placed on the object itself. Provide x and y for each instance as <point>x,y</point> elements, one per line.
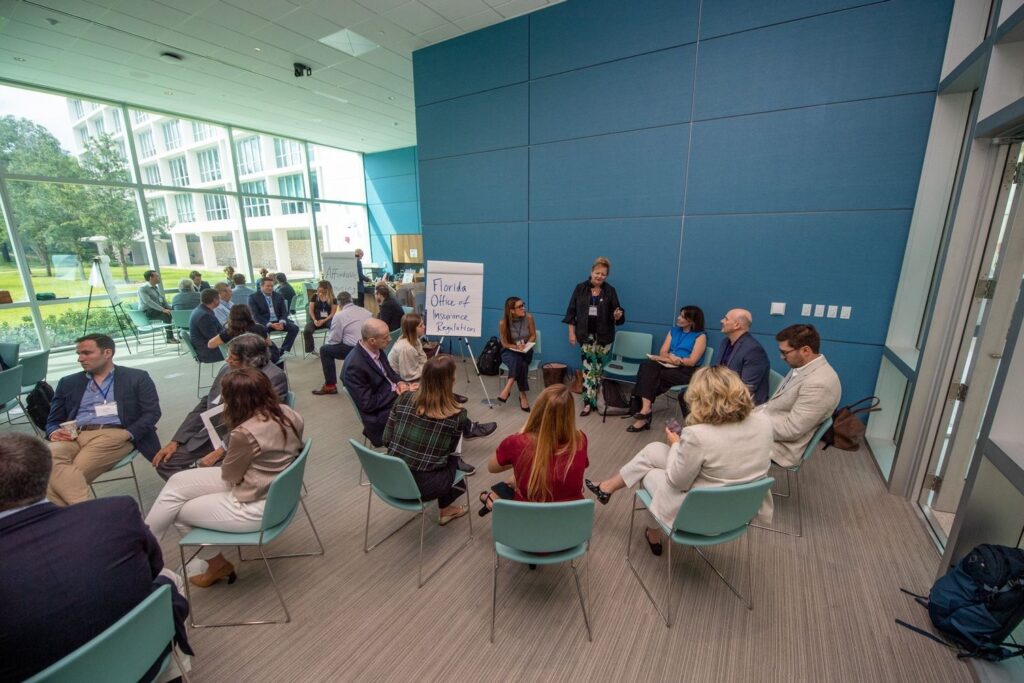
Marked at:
<point>265,438</point>
<point>723,443</point>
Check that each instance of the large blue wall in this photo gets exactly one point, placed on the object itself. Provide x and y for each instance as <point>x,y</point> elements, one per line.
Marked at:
<point>392,200</point>
<point>720,153</point>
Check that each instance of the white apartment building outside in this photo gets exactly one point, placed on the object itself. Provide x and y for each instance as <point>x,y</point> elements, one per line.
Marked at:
<point>186,166</point>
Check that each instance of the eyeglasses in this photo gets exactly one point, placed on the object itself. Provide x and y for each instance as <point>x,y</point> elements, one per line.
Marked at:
<point>519,306</point>
<point>785,352</point>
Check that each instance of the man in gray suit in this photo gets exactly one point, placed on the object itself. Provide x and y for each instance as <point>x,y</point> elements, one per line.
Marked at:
<point>240,293</point>
<point>191,442</point>
<point>153,303</point>
<point>809,393</point>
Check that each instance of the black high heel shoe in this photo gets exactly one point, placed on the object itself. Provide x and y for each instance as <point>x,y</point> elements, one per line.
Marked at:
<point>646,425</point>
<point>656,548</point>
<point>602,497</point>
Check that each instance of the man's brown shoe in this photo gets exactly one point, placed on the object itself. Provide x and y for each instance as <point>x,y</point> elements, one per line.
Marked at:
<point>326,389</point>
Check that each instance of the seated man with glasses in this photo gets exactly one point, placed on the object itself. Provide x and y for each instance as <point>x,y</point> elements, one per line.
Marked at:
<point>809,393</point>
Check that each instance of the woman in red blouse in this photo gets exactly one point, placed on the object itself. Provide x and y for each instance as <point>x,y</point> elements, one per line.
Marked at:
<point>549,456</point>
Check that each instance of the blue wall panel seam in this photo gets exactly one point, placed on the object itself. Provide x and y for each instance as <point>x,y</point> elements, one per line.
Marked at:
<point>791,21</point>
<point>689,155</point>
<point>610,61</point>
<point>472,94</point>
<point>819,104</point>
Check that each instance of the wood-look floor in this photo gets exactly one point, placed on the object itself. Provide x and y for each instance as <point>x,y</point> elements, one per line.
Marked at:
<point>824,604</point>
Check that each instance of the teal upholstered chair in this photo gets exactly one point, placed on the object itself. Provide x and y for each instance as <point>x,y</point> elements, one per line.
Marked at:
<point>289,400</point>
<point>542,533</point>
<point>391,481</point>
<point>794,472</point>
<point>355,408</point>
<point>534,364</point>
<point>180,322</point>
<point>408,309</point>
<point>394,334</point>
<point>187,341</point>
<point>708,516</point>
<point>283,501</point>
<point>129,462</point>
<point>154,328</point>
<point>628,350</point>
<point>33,370</point>
<point>9,353</point>
<point>10,391</point>
<point>680,389</point>
<point>125,651</point>
<point>774,380</point>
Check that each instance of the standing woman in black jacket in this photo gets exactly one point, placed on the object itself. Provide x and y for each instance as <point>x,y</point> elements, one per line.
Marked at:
<point>592,315</point>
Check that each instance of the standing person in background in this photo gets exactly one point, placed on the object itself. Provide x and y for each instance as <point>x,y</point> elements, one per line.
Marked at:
<point>391,311</point>
<point>515,330</point>
<point>321,311</point>
<point>407,356</point>
<point>153,303</point>
<point>592,315</point>
<point>361,278</point>
<point>187,297</point>
<point>683,350</point>
<point>197,279</point>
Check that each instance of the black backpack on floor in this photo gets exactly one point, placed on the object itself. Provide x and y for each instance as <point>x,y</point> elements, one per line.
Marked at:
<point>978,603</point>
<point>489,362</point>
<point>37,405</point>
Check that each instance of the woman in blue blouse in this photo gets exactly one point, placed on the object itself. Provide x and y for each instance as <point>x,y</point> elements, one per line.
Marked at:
<point>681,354</point>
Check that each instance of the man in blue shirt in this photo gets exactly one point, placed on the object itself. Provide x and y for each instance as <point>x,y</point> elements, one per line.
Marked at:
<point>98,416</point>
<point>271,310</point>
<point>203,326</point>
<point>223,309</point>
<point>239,293</point>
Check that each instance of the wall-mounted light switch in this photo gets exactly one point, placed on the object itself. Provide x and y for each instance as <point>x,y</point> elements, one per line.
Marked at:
<point>778,308</point>
<point>805,310</point>
<point>833,311</point>
<point>819,310</point>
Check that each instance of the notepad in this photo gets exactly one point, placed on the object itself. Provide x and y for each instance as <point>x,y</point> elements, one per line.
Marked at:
<point>660,361</point>
<point>526,347</point>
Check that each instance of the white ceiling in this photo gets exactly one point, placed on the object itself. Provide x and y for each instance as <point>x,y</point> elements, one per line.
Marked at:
<point>238,57</point>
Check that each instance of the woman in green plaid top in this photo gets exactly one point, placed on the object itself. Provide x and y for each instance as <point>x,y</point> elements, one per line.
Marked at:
<point>424,429</point>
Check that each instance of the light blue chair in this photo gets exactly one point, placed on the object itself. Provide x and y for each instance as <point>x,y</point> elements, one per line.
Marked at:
<point>392,482</point>
<point>9,353</point>
<point>283,501</point>
<point>355,408</point>
<point>125,651</point>
<point>408,309</point>
<point>289,400</point>
<point>10,391</point>
<point>774,380</point>
<point>794,471</point>
<point>680,389</point>
<point>154,328</point>
<point>186,339</point>
<point>33,370</point>
<point>126,461</point>
<point>708,516</point>
<point>534,364</point>
<point>394,334</point>
<point>180,322</point>
<point>542,533</point>
<point>627,348</point>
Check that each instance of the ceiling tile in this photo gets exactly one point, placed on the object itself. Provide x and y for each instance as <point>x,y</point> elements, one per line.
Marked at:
<point>456,9</point>
<point>76,8</point>
<point>344,13</point>
<point>153,12</point>
<point>478,20</point>
<point>234,18</point>
<point>381,6</point>
<point>386,59</point>
<point>416,18</point>
<point>308,24</point>
<point>441,33</point>
<point>271,10</point>
<point>515,8</point>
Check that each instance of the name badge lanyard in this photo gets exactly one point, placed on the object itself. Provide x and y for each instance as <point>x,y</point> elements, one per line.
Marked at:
<point>104,394</point>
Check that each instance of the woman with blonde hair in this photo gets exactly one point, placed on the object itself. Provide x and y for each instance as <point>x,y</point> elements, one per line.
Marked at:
<point>322,308</point>
<point>592,315</point>
<point>549,456</point>
<point>724,442</point>
<point>407,356</point>
<point>424,429</point>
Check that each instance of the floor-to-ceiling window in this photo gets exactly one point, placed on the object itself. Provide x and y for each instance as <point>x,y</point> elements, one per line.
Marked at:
<point>82,179</point>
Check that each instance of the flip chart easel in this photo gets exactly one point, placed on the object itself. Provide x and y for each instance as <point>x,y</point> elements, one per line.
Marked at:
<point>100,275</point>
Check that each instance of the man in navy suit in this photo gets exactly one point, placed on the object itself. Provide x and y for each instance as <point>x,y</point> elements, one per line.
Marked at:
<point>743,354</point>
<point>67,573</point>
<point>271,310</point>
<point>113,410</point>
<point>204,326</point>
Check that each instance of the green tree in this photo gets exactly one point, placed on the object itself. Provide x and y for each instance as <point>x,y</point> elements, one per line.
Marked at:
<point>111,211</point>
<point>43,211</point>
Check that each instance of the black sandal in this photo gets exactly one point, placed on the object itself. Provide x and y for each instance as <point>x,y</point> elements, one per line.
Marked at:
<point>485,497</point>
<point>586,410</point>
<point>602,497</point>
<point>656,548</point>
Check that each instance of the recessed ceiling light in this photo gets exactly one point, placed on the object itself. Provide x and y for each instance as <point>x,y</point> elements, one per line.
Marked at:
<point>395,123</point>
<point>349,42</point>
<point>257,49</point>
<point>391,97</point>
<point>171,57</point>
<point>19,59</point>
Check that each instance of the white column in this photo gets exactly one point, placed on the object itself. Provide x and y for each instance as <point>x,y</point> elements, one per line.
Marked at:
<point>281,253</point>
<point>242,266</point>
<point>180,246</point>
<point>209,253</point>
<point>162,255</point>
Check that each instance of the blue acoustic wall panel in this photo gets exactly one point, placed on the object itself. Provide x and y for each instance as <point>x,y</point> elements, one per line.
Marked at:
<point>577,103</point>
<point>392,199</point>
<point>733,16</point>
<point>501,247</point>
<point>856,155</point>
<point>641,250</point>
<point>779,257</point>
<point>724,153</point>
<point>575,34</point>
<point>475,188</point>
<point>639,173</point>
<point>835,57</point>
<point>495,119</point>
<point>489,58</point>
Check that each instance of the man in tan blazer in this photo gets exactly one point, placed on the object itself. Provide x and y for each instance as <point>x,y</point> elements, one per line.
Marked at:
<point>807,395</point>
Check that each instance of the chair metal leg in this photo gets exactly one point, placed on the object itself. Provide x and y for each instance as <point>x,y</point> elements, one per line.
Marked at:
<point>366,533</point>
<point>465,543</point>
<point>799,508</point>
<point>309,554</point>
<point>786,494</point>
<point>273,581</point>
<point>361,482</point>
<point>494,594</point>
<point>135,478</point>
<point>179,664</point>
<point>579,592</point>
<point>722,576</point>
<point>665,616</point>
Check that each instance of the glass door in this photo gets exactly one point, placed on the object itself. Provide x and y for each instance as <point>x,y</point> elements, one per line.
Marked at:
<point>981,341</point>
